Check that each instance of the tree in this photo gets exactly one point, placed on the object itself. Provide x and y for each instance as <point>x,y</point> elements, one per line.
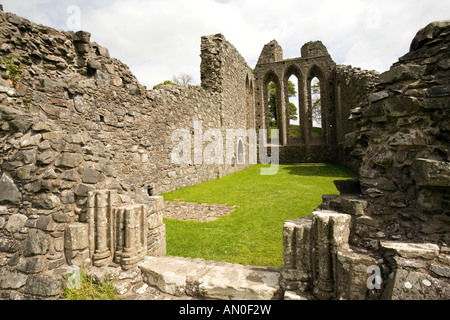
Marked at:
<point>316,103</point>
<point>272,97</point>
<point>183,79</point>
<point>167,82</point>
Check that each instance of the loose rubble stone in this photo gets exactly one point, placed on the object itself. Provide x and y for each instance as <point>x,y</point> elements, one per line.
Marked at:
<point>42,285</point>
<point>426,251</point>
<point>37,243</point>
<point>8,190</point>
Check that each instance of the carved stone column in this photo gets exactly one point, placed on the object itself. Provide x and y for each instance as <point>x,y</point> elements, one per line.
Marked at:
<point>130,235</point>
<point>101,223</point>
<point>330,233</point>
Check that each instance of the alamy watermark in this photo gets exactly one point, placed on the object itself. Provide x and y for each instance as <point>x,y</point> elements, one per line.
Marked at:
<point>375,280</point>
<point>73,277</point>
<point>229,146</point>
<point>73,22</point>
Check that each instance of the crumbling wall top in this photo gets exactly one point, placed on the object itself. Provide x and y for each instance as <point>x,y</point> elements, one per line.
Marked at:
<point>272,52</point>
<point>314,49</point>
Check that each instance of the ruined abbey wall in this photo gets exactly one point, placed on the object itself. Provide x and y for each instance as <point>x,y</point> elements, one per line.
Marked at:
<point>386,235</point>
<point>86,149</point>
<point>77,123</point>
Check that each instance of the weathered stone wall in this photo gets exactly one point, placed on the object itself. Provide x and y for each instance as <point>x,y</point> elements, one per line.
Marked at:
<point>314,62</point>
<point>84,145</point>
<point>78,124</point>
<point>386,235</point>
<point>403,142</point>
<point>352,86</point>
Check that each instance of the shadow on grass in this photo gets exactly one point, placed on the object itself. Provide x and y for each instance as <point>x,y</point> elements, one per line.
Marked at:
<point>319,170</point>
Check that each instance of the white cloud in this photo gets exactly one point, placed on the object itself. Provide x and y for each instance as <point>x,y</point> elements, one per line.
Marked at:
<point>160,38</point>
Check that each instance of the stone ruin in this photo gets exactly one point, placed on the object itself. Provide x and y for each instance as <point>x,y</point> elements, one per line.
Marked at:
<point>85,151</point>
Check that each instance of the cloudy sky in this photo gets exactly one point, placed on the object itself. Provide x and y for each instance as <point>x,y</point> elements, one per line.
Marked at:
<point>158,39</point>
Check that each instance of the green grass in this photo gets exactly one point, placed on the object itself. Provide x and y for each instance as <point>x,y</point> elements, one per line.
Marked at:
<point>294,131</point>
<point>252,234</point>
<point>90,290</point>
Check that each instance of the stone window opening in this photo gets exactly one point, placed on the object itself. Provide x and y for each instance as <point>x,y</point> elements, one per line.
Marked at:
<point>240,152</point>
<point>250,103</point>
<point>316,108</point>
<point>316,105</point>
<point>293,106</point>
<point>272,107</point>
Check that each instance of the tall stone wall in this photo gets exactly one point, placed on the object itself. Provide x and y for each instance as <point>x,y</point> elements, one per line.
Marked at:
<point>225,71</point>
<point>404,142</point>
<point>386,235</point>
<point>352,88</point>
<point>315,61</point>
<point>77,127</point>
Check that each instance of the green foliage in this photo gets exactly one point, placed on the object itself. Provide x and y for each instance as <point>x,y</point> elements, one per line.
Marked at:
<point>253,233</point>
<point>27,101</point>
<point>292,111</point>
<point>272,97</point>
<point>167,82</point>
<point>13,68</point>
<point>89,290</point>
<point>316,103</point>
<point>294,131</point>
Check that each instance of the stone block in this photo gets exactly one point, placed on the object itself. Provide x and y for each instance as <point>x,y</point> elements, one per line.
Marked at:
<point>156,203</point>
<point>12,279</point>
<point>20,124</point>
<point>30,140</point>
<point>82,36</point>
<point>47,156</point>
<point>354,207</point>
<point>402,72</point>
<point>46,201</point>
<point>102,51</point>
<point>332,227</point>
<point>442,271</point>
<point>45,223</point>
<point>411,285</point>
<point>398,106</point>
<point>37,243</point>
<point>92,176</point>
<point>69,160</point>
<point>431,173</point>
<point>9,245</point>
<point>427,251</point>
<point>102,77</point>
<point>351,274</point>
<point>234,282</point>
<point>32,265</point>
<point>412,137</point>
<point>156,241</point>
<point>80,258</point>
<point>155,219</point>
<point>76,236</point>
<point>16,222</point>
<point>82,190</point>
<point>43,285</point>
<point>8,190</point>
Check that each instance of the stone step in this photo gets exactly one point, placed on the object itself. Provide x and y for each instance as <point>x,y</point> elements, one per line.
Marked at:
<point>210,279</point>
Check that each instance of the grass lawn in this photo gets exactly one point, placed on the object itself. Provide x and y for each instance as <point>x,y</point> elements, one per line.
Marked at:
<point>253,233</point>
<point>295,131</point>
